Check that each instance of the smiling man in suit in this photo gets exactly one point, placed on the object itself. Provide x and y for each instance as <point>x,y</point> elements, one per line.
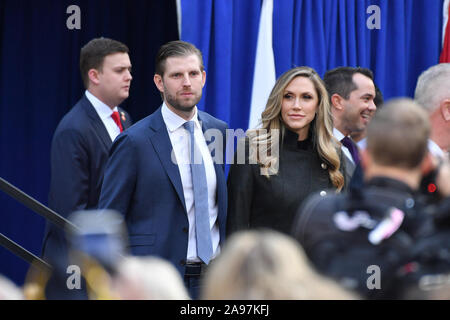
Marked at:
<point>82,141</point>
<point>173,207</point>
<point>352,94</point>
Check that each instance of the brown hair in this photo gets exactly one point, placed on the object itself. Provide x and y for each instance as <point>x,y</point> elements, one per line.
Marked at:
<point>175,49</point>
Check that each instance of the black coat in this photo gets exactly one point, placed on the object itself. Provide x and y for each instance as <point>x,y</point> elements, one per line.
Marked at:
<point>255,201</point>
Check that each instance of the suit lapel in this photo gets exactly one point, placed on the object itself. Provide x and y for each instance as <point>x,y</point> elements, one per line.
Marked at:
<point>163,147</point>
<point>97,123</point>
<point>349,168</point>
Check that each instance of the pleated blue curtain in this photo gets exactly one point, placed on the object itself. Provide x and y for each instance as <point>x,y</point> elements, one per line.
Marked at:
<point>226,32</point>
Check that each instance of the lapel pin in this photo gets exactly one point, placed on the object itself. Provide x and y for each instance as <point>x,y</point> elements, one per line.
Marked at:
<point>123,116</point>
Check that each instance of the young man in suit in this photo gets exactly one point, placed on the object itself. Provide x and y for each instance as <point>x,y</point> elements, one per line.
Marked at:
<point>82,141</point>
<point>173,207</point>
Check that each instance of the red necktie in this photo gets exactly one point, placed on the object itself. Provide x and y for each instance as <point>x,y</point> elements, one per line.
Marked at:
<point>116,119</point>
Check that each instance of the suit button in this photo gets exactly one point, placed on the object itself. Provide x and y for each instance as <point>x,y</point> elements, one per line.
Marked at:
<point>185,230</point>
<point>182,262</point>
<point>409,203</point>
<point>323,193</point>
<point>323,165</point>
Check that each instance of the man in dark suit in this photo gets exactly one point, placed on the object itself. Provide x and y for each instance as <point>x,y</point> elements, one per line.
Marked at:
<point>173,207</point>
<point>351,92</point>
<point>82,140</point>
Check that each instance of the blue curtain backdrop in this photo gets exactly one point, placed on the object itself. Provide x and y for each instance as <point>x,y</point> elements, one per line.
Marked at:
<point>40,81</point>
<point>226,32</point>
<point>322,34</point>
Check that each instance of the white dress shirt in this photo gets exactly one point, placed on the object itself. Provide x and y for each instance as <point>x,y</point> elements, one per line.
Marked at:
<point>179,137</point>
<point>362,144</point>
<point>435,150</point>
<point>104,112</point>
<point>339,136</point>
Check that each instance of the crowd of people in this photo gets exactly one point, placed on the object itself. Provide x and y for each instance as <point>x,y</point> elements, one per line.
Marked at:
<point>338,195</point>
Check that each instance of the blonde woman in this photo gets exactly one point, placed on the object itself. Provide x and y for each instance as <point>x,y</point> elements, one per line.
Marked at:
<point>293,155</point>
<point>267,265</point>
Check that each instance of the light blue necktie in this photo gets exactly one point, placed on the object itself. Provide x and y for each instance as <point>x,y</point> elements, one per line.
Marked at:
<point>200,186</point>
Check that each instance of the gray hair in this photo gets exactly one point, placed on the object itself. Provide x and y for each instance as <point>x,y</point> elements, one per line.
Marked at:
<point>433,85</point>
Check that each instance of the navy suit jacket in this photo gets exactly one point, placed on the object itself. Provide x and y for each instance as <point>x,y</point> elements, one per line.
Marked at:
<point>143,184</point>
<point>79,153</point>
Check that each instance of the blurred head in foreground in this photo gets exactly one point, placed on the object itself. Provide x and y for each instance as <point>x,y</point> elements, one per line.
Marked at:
<point>148,278</point>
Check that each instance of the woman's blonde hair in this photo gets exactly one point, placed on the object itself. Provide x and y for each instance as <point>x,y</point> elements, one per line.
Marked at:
<point>265,142</point>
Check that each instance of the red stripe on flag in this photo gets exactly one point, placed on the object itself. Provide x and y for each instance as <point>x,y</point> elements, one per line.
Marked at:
<point>445,54</point>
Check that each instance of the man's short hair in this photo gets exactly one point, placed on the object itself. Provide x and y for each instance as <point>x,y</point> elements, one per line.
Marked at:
<point>340,80</point>
<point>433,86</point>
<point>175,49</point>
<point>93,54</point>
<point>378,100</point>
<point>398,134</point>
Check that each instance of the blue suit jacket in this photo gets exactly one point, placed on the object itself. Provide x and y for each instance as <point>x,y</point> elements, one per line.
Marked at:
<point>79,153</point>
<point>143,184</point>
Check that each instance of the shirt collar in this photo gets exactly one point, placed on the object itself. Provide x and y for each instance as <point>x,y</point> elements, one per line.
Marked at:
<point>174,121</point>
<point>435,149</point>
<point>102,109</point>
<point>337,134</point>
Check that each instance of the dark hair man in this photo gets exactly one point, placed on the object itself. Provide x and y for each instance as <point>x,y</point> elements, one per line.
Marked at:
<point>174,206</point>
<point>352,94</point>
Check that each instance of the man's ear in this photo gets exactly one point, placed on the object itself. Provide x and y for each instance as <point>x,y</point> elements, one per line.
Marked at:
<point>445,109</point>
<point>337,101</point>
<point>157,79</point>
<point>93,75</point>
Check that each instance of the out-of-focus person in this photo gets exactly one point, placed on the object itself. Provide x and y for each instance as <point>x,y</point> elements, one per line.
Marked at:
<point>433,94</point>
<point>349,236</point>
<point>148,278</point>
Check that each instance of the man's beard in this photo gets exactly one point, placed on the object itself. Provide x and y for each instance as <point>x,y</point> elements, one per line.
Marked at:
<point>178,106</point>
